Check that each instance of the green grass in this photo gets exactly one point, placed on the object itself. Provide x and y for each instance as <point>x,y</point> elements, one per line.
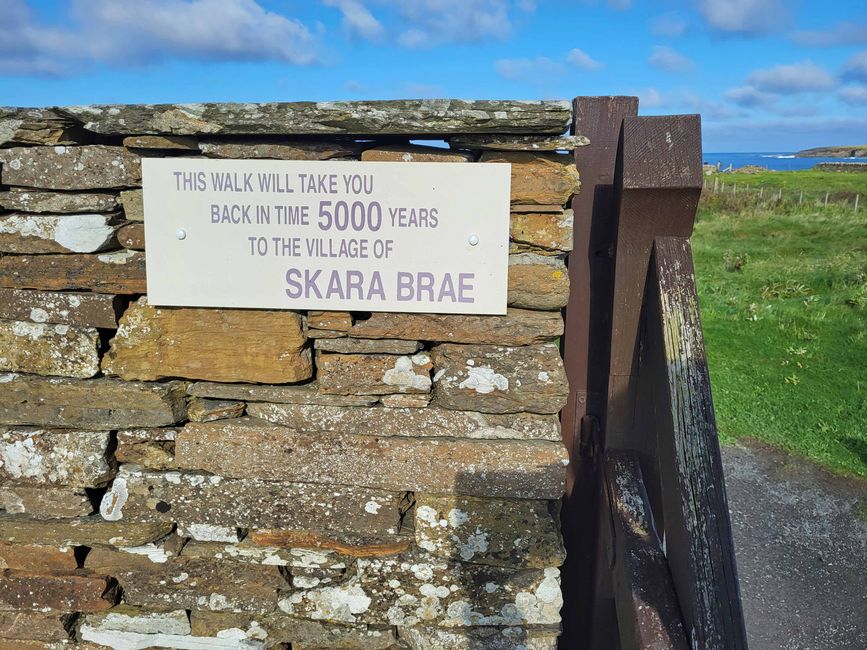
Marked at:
<point>814,184</point>
<point>783,293</point>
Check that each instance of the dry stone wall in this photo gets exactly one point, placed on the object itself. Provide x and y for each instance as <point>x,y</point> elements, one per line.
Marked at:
<point>223,478</point>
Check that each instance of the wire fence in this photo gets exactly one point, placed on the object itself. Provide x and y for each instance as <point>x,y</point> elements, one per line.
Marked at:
<point>763,194</point>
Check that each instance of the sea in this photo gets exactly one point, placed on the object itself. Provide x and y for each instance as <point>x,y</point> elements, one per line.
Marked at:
<point>775,161</point>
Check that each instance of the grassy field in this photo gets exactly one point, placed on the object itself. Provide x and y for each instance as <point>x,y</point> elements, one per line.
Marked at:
<point>784,303</point>
<point>814,184</point>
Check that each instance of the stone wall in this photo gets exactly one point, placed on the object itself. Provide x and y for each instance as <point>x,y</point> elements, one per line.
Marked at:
<point>219,478</point>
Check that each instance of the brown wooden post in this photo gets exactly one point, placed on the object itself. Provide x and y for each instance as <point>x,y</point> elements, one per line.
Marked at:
<point>585,352</point>
<point>659,177</point>
<point>698,532</point>
<point>648,614</point>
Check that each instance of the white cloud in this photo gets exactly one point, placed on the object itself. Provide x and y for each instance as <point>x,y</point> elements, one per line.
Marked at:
<point>144,31</point>
<point>670,60</point>
<point>843,33</point>
<point>650,98</point>
<point>854,95</point>
<point>538,70</point>
<point>855,68</point>
<point>746,17</point>
<point>750,97</point>
<point>432,22</point>
<point>669,25</point>
<point>805,76</point>
<point>357,19</point>
<point>583,60</point>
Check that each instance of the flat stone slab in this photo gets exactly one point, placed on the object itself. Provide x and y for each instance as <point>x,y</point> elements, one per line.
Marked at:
<point>70,593</point>
<point>414,153</point>
<point>367,346</point>
<point>403,117</point>
<point>46,202</point>
<point>410,422</point>
<point>246,449</point>
<point>60,233</point>
<point>45,502</point>
<point>101,404</point>
<point>203,584</point>
<point>265,550</point>
<point>214,344</point>
<point>54,457</point>
<point>151,448</point>
<point>498,379</point>
<point>415,589</point>
<point>283,150</point>
<point>539,178</point>
<point>132,202</point>
<point>120,271</point>
<point>86,167</point>
<point>81,309</point>
<point>101,638</point>
<point>517,327</point>
<point>373,374</point>
<point>38,558</point>
<point>36,626</point>
<point>280,628</point>
<point>546,230</point>
<point>138,495</point>
<point>511,533</point>
<point>34,126</point>
<point>124,618</point>
<point>301,394</point>
<point>161,142</point>
<point>519,142</point>
<point>346,545</point>
<point>132,236</point>
<point>82,531</point>
<point>48,349</point>
<point>202,409</point>
<point>489,638</point>
<point>538,282</point>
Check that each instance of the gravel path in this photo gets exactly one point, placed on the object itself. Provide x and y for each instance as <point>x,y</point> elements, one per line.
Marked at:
<point>801,542</point>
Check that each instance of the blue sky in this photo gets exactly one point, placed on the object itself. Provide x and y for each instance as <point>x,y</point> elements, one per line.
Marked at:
<point>766,75</point>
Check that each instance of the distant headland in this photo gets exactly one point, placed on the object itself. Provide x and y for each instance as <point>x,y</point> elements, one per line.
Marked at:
<point>854,151</point>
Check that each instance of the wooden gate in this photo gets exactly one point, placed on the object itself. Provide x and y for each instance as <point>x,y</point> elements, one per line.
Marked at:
<point>650,557</point>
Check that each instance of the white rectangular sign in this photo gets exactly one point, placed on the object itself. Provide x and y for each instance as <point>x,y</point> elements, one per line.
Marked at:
<point>327,235</point>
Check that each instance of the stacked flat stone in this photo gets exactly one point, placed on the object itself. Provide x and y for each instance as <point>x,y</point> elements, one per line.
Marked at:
<point>221,478</point>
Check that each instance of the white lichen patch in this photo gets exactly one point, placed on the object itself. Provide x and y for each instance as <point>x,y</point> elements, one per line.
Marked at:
<point>340,604</point>
<point>209,533</point>
<point>76,233</point>
<point>111,506</point>
<point>405,376</point>
<point>484,380</point>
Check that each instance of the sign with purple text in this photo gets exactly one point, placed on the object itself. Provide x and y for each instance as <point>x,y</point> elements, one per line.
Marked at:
<point>327,235</point>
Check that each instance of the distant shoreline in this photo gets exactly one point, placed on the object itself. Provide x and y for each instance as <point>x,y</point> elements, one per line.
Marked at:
<point>848,151</point>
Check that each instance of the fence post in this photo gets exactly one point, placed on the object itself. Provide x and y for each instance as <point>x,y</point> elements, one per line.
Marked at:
<point>780,195</point>
<point>715,182</point>
<point>735,189</point>
<point>801,198</point>
<point>588,598</point>
<point>857,196</point>
<point>826,199</point>
<point>761,192</point>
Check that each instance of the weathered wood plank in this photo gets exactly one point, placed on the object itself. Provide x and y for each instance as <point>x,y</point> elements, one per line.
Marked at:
<point>697,526</point>
<point>647,611</point>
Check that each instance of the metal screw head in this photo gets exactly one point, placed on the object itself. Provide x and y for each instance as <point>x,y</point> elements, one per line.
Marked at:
<point>473,240</point>
<point>180,233</point>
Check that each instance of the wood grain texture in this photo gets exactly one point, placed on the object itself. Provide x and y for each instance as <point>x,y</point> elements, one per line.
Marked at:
<point>697,530</point>
<point>585,353</point>
<point>647,611</point>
